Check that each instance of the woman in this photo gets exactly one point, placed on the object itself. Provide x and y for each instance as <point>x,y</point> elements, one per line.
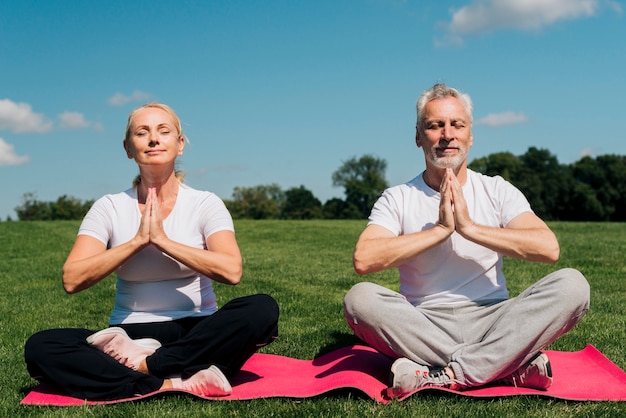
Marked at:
<point>166,242</point>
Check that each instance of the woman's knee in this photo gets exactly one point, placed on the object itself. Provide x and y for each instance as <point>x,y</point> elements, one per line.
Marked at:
<point>34,345</point>
<point>40,341</point>
<point>264,310</point>
<point>264,318</point>
<point>43,345</point>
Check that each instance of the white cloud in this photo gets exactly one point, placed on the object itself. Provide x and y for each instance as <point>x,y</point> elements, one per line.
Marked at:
<point>586,152</point>
<point>20,118</point>
<point>617,8</point>
<point>496,120</point>
<point>590,152</point>
<point>482,16</point>
<point>73,120</point>
<point>119,99</point>
<point>8,155</point>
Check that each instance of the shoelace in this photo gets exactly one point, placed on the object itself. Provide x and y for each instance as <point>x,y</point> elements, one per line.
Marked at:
<point>439,377</point>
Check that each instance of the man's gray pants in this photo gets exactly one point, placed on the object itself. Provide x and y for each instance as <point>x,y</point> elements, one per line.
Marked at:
<point>481,342</point>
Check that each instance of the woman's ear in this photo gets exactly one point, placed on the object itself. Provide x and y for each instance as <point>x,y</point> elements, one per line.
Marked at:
<point>181,145</point>
<point>127,149</point>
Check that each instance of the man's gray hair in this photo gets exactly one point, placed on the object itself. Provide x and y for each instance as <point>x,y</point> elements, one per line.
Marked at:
<point>439,91</point>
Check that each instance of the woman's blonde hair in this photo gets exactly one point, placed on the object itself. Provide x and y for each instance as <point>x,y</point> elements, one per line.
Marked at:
<point>180,175</point>
<point>156,105</point>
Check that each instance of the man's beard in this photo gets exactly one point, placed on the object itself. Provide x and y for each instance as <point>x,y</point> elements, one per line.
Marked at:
<point>447,162</point>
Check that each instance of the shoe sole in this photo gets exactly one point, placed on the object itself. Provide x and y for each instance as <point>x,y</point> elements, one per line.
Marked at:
<point>392,390</point>
<point>106,331</point>
<point>143,342</point>
<point>148,343</point>
<point>394,368</point>
<point>226,384</point>
<point>548,364</point>
<point>543,357</point>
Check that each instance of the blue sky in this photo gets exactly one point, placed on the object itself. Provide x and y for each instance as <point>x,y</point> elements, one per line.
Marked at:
<point>284,91</point>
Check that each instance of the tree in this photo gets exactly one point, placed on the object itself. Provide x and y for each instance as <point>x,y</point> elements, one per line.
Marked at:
<point>32,209</point>
<point>615,168</point>
<point>537,174</point>
<point>544,181</point>
<point>258,202</point>
<point>502,164</point>
<point>336,208</point>
<point>300,203</point>
<point>65,208</point>
<point>591,189</point>
<point>606,177</point>
<point>586,205</point>
<point>363,181</point>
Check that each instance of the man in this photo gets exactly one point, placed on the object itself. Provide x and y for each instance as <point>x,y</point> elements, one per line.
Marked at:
<point>453,324</point>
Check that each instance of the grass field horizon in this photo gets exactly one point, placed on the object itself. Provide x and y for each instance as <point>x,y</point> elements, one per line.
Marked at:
<point>306,266</point>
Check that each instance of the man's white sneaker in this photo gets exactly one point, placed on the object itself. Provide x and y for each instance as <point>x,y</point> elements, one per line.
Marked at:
<point>406,376</point>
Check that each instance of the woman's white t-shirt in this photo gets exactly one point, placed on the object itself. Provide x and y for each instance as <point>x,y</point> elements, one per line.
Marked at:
<point>152,286</point>
<point>456,270</point>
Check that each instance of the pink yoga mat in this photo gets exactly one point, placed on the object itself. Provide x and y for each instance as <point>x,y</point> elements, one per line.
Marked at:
<point>585,375</point>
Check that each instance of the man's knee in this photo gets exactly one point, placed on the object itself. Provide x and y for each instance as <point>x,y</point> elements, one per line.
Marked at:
<point>360,297</point>
<point>574,289</point>
<point>368,303</point>
<point>576,284</point>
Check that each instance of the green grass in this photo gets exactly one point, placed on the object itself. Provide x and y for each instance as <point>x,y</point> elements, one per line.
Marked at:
<point>306,266</point>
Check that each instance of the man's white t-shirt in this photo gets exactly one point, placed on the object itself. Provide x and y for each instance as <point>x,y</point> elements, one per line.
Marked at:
<point>456,270</point>
<point>152,286</point>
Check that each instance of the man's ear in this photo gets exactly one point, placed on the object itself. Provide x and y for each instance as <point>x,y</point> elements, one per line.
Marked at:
<point>418,141</point>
